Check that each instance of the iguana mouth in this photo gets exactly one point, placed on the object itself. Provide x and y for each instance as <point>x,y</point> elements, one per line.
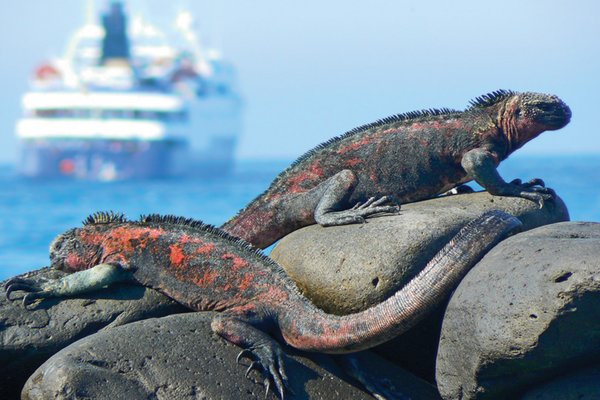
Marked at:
<point>558,118</point>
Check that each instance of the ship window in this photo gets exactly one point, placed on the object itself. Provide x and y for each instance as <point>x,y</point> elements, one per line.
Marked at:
<point>82,113</point>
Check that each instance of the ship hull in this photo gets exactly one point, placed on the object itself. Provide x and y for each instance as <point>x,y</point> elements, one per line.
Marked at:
<point>105,160</point>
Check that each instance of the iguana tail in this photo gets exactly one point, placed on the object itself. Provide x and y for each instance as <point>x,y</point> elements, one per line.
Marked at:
<point>315,330</point>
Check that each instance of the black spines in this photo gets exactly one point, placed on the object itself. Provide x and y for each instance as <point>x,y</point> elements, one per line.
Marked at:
<point>104,217</point>
<point>199,225</point>
<point>490,99</point>
<point>392,119</point>
<point>175,220</point>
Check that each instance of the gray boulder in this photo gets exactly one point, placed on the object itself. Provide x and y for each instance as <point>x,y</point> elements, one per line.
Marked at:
<point>28,338</point>
<point>528,312</point>
<point>178,357</point>
<point>349,268</point>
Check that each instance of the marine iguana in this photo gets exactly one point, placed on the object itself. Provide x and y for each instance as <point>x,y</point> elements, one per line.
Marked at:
<point>204,268</point>
<point>402,158</point>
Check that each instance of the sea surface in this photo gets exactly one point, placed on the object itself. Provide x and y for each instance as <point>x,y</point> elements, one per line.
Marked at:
<point>33,212</point>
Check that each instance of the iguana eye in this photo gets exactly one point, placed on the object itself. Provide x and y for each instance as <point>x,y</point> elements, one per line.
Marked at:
<point>518,112</point>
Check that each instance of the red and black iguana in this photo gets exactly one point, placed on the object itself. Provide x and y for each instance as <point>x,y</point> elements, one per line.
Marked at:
<point>204,268</point>
<point>402,158</point>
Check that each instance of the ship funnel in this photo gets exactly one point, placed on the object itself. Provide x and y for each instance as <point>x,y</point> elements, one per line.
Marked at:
<point>115,46</point>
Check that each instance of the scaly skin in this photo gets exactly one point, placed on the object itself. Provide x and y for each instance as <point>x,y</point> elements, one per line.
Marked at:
<point>204,268</point>
<point>402,158</point>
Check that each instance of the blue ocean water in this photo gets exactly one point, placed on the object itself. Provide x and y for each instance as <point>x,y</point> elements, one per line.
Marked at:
<point>33,212</point>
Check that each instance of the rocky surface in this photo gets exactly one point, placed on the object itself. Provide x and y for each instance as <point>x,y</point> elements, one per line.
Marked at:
<point>178,357</point>
<point>28,338</point>
<point>349,268</point>
<point>582,384</point>
<point>529,312</point>
<point>343,269</point>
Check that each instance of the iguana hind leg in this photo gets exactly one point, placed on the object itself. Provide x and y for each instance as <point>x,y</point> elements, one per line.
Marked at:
<point>264,352</point>
<point>79,282</point>
<point>337,191</point>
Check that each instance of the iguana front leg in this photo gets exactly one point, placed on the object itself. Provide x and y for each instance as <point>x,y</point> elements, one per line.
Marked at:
<point>481,166</point>
<point>337,190</point>
<point>88,280</point>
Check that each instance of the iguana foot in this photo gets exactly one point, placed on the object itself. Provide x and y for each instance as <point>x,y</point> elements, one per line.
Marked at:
<point>34,290</point>
<point>359,212</point>
<point>268,359</point>
<point>534,190</point>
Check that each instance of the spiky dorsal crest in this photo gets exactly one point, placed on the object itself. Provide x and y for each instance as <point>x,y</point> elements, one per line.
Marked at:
<point>392,119</point>
<point>175,220</point>
<point>492,98</point>
<point>195,224</point>
<point>104,217</point>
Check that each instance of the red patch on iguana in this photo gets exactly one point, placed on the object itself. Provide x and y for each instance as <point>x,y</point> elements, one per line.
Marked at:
<point>206,249</point>
<point>207,279</point>
<point>237,261</point>
<point>246,282</point>
<point>177,257</point>
<point>126,240</point>
<point>353,162</point>
<point>311,173</point>
<point>355,145</point>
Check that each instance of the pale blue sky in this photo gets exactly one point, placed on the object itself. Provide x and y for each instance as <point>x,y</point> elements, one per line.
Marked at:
<point>313,69</point>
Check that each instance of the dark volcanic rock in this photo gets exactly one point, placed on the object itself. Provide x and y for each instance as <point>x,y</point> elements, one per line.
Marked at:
<point>178,357</point>
<point>349,268</point>
<point>28,338</point>
<point>528,312</point>
<point>579,385</point>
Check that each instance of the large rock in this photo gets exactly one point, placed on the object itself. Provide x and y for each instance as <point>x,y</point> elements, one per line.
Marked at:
<point>349,268</point>
<point>178,357</point>
<point>30,337</point>
<point>528,312</point>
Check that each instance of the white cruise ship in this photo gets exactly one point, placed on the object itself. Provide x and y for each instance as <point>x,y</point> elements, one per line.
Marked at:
<point>129,101</point>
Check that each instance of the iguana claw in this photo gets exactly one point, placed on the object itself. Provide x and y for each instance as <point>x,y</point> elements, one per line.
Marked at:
<point>270,361</point>
<point>26,285</point>
<point>360,211</point>
<point>534,190</point>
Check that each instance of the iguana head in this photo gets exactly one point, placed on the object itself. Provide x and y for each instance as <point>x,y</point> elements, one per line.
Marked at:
<point>71,251</point>
<point>82,248</point>
<point>523,116</point>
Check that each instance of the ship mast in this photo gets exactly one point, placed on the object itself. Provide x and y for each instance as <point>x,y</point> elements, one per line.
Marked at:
<point>90,12</point>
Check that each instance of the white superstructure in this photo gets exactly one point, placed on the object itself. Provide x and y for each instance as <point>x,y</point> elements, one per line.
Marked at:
<point>124,99</point>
